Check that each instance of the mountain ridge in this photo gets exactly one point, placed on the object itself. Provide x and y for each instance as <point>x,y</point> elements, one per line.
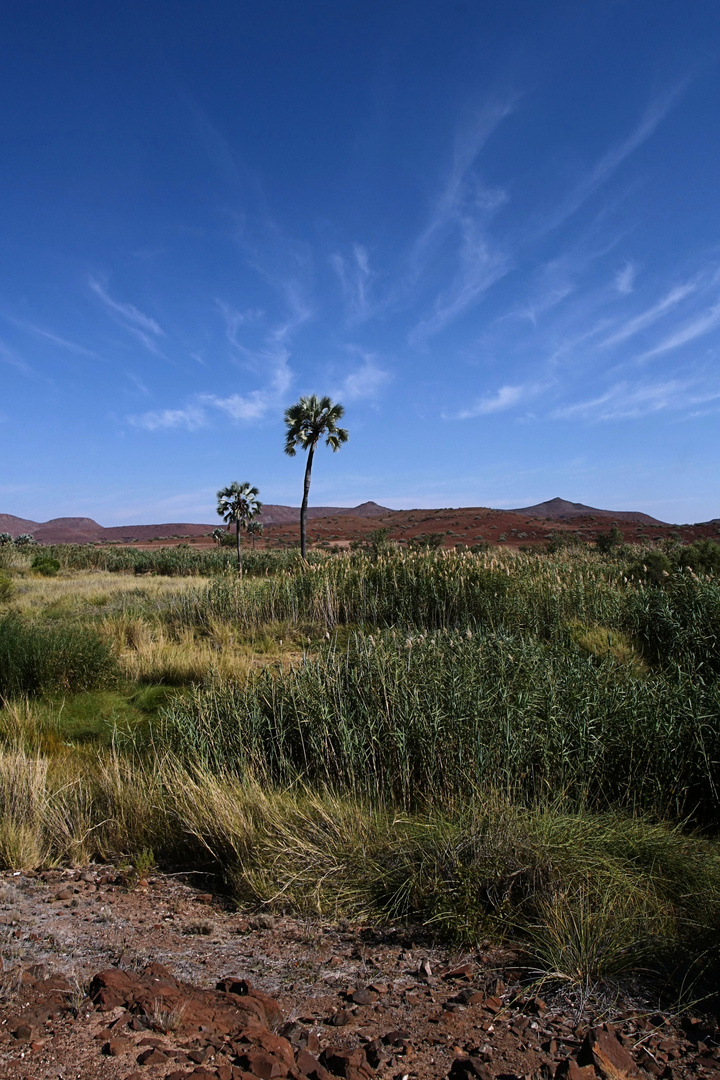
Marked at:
<point>561,509</point>
<point>64,530</point>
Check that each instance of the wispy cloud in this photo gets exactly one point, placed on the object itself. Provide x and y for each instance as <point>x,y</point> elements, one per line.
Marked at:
<point>625,278</point>
<point>651,315</point>
<point>480,269</point>
<point>693,329</point>
<point>507,397</point>
<point>457,194</point>
<point>354,275</point>
<point>613,158</point>
<point>189,419</point>
<point>365,381</point>
<point>458,222</point>
<point>39,331</point>
<point>270,358</point>
<point>142,326</point>
<point>257,403</point>
<point>626,401</point>
<point>10,357</point>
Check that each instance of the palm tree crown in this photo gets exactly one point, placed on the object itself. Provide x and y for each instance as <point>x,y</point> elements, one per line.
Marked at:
<point>238,503</point>
<point>307,422</point>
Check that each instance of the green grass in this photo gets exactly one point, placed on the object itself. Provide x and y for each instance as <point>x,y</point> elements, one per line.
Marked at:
<point>408,720</point>
<point>36,659</point>
<point>492,743</point>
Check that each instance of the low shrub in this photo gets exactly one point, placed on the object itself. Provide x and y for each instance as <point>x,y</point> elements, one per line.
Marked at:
<point>703,556</point>
<point>47,659</point>
<point>45,565</point>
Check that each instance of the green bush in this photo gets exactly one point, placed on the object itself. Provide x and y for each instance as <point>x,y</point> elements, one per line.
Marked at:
<point>427,541</point>
<point>44,659</point>
<point>703,556</point>
<point>45,565</point>
<point>609,541</point>
<point>653,567</point>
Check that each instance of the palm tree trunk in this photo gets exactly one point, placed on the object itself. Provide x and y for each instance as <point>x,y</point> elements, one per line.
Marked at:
<point>303,508</point>
<point>237,538</point>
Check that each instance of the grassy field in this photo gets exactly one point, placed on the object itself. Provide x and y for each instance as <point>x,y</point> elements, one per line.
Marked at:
<point>498,744</point>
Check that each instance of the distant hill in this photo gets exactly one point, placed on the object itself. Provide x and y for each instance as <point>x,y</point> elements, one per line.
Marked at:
<point>287,515</point>
<point>561,509</point>
<point>83,530</point>
<point>15,525</point>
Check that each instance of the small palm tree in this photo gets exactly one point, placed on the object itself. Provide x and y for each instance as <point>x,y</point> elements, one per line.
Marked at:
<point>255,530</point>
<point>307,422</point>
<point>238,503</point>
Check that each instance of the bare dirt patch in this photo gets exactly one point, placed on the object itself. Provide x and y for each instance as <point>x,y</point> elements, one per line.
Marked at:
<point>106,978</point>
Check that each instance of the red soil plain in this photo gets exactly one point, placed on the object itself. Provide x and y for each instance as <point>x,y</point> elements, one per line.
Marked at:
<point>531,526</point>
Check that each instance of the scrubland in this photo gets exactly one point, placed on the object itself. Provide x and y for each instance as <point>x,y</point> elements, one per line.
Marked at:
<point>496,744</point>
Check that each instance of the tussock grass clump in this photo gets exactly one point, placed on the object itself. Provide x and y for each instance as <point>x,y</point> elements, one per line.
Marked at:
<point>489,867</point>
<point>36,658</point>
<point>601,642</point>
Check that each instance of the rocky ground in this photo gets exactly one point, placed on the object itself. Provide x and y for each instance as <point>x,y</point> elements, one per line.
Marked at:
<point>112,979</point>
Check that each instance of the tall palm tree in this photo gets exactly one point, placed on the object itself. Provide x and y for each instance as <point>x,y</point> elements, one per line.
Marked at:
<point>238,503</point>
<point>255,529</point>
<point>307,422</point>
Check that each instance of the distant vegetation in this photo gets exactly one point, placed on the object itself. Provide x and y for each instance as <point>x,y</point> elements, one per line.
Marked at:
<point>492,742</point>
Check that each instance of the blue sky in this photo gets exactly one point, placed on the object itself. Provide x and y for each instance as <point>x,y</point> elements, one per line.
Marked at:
<point>490,229</point>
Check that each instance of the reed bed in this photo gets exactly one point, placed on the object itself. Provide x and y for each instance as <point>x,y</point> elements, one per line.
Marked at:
<point>439,717</point>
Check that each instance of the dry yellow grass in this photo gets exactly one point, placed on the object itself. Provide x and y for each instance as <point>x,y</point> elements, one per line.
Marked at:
<point>93,588</point>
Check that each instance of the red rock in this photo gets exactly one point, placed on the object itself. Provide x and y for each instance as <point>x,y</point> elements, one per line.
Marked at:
<point>341,1018</point>
<point>276,1045</point>
<point>311,1067</point>
<point>313,1042</point>
<point>116,1047</point>
<point>345,1062</point>
<point>365,997</point>
<point>570,1070</point>
<point>200,1056</point>
<point>111,988</point>
<point>395,1037</point>
<point>152,1056</point>
<point>468,1067</point>
<point>603,1050</point>
<point>465,971</point>
<point>263,1065</point>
